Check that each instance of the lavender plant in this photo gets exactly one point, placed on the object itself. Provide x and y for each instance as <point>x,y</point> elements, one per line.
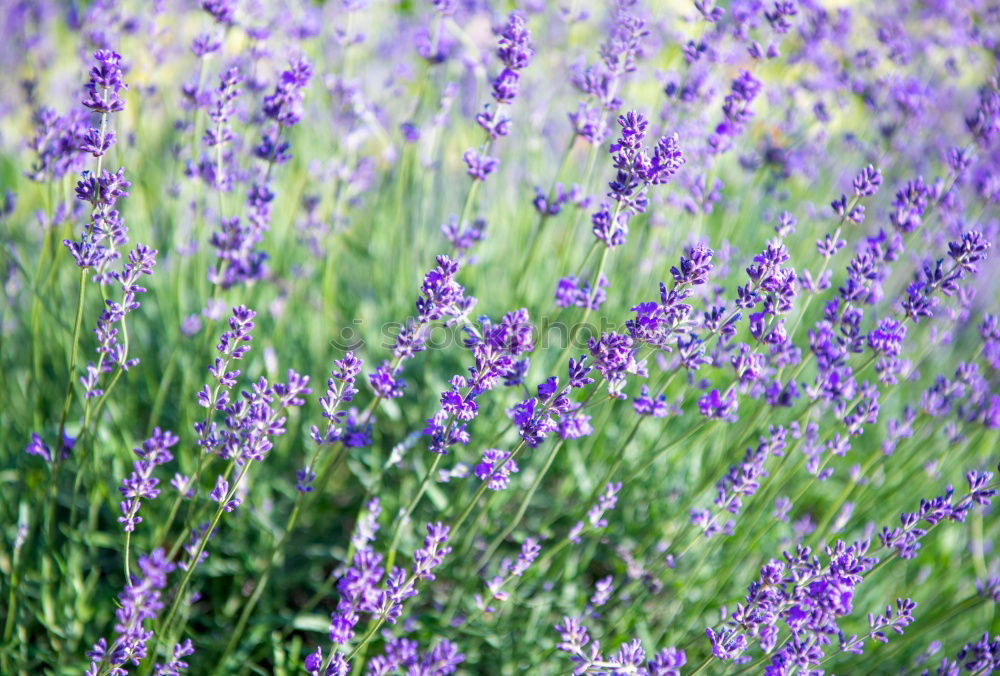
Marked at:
<point>679,410</point>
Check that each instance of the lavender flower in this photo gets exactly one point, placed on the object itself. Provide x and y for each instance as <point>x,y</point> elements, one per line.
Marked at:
<point>515,52</point>
<point>905,539</point>
<point>141,484</point>
<point>737,111</point>
<point>105,85</point>
<point>636,171</point>
<point>222,11</point>
<point>497,479</point>
<point>526,556</point>
<point>462,239</point>
<point>981,657</point>
<point>910,204</point>
<point>602,591</point>
<point>386,382</point>
<point>629,659</point>
<point>426,559</point>
<point>614,356</point>
<point>867,182</point>
<point>112,352</point>
<point>619,53</point>
<point>596,514</point>
<point>221,493</point>
<point>571,292</point>
<point>401,656</point>
<point>338,665</point>
<point>480,166</point>
<point>139,602</point>
<point>740,482</point>
<point>38,447</point>
<point>494,349</point>
<point>216,171</point>
<point>645,405</point>
<point>176,663</point>
<point>58,143</point>
<point>284,104</point>
<point>896,619</point>
<point>808,596</point>
<point>102,189</point>
<point>718,406</point>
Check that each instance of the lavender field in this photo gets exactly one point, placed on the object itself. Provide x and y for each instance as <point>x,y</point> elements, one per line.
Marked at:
<point>507,337</point>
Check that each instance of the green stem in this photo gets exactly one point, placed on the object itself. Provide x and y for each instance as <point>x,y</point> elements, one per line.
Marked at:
<point>73,355</point>
<point>179,596</point>
<point>543,217</point>
<point>161,391</point>
<point>404,518</point>
<point>522,509</point>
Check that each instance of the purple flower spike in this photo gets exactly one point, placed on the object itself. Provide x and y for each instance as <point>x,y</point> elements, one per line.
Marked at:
<point>716,406</point>
<point>479,166</point>
<point>105,84</point>
<point>284,105</point>
<point>497,479</point>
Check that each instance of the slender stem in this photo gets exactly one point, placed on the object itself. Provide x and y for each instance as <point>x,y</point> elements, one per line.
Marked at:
<point>523,507</point>
<point>643,468</point>
<point>251,603</point>
<point>74,352</point>
<point>128,555</point>
<point>162,389</point>
<point>297,506</point>
<point>193,563</point>
<point>543,216</point>
<point>404,517</point>
<point>455,526</point>
<point>12,594</point>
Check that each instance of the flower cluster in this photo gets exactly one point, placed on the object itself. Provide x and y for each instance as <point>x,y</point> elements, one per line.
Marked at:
<point>106,230</point>
<point>495,349</point>
<point>548,207</point>
<point>552,410</point>
<point>739,483</point>
<point>515,53</point>
<point>966,252</point>
<point>736,110</point>
<point>441,297</point>
<point>399,586</point>
<point>573,292</point>
<point>239,260</point>
<point>217,170</point>
<point>664,324</point>
<point>101,189</point>
<point>981,657</point>
<point>614,355</point>
<point>111,351</point>
<point>808,596</point>
<point>103,95</point>
<point>284,104</point>
<point>141,484</point>
<point>462,239</point>
<point>630,658</point>
<point>57,143</point>
<point>508,571</point>
<point>904,540</point>
<point>637,169</point>
<point>139,602</point>
<point>497,479</point>
<point>596,515</point>
<point>600,82</point>
<point>340,390</point>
